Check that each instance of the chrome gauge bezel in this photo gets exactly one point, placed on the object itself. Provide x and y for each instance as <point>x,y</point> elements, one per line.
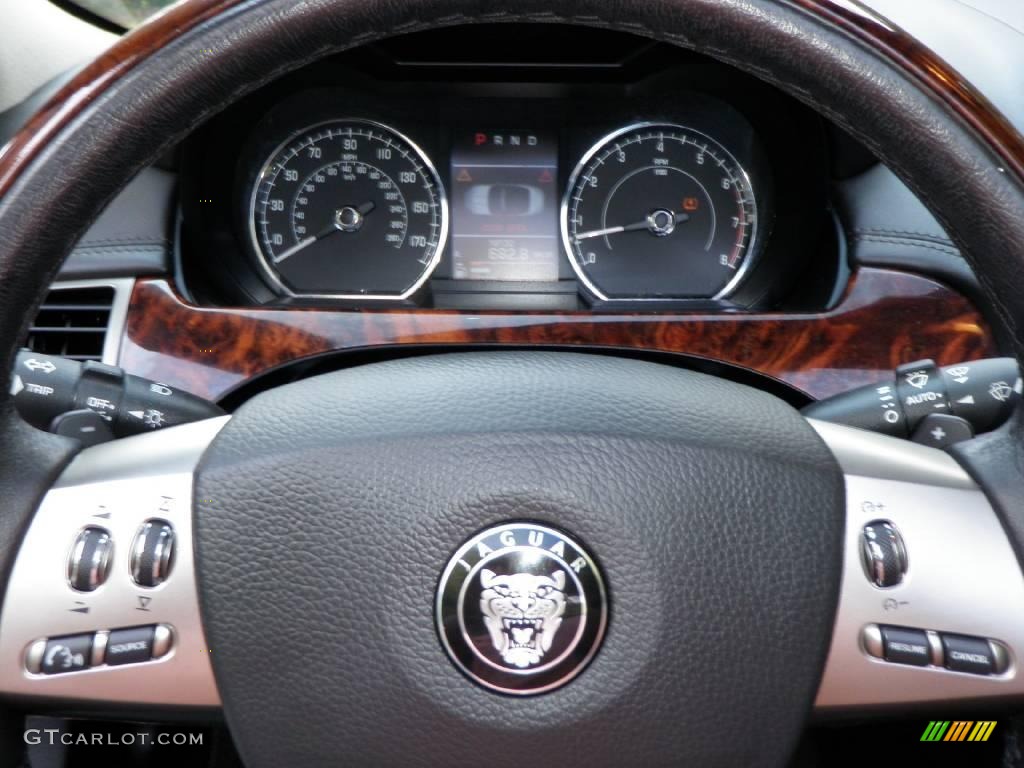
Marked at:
<point>442,240</point>
<point>741,273</point>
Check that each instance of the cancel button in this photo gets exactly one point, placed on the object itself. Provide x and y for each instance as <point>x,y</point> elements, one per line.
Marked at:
<point>968,654</point>
<point>129,646</point>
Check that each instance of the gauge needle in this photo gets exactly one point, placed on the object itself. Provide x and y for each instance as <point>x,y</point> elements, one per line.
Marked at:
<point>347,219</point>
<point>649,224</point>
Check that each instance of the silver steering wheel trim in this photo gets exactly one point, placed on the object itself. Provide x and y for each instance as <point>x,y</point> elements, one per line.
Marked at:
<point>963,576</point>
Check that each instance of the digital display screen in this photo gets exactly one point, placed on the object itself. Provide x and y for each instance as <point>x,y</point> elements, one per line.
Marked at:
<point>504,198</point>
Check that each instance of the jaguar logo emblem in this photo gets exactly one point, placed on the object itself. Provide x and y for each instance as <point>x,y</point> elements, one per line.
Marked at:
<point>522,612</point>
<point>521,608</point>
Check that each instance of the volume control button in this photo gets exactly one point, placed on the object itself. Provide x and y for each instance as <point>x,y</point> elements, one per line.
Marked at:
<point>883,553</point>
<point>89,561</point>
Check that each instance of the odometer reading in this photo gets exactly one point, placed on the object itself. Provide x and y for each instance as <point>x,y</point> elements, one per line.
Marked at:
<point>659,212</point>
<point>349,209</point>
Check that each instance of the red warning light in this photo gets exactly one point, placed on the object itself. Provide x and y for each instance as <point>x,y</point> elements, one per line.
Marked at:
<point>690,203</point>
<point>480,139</point>
<point>545,177</point>
<point>463,176</point>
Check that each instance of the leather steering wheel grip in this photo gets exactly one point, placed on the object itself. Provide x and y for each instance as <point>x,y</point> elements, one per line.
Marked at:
<point>166,78</point>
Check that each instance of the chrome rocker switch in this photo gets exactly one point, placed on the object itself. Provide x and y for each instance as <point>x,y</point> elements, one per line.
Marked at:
<point>883,553</point>
<point>152,553</point>
<point>89,560</point>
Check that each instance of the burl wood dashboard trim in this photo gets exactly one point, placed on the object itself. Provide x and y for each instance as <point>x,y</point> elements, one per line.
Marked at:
<point>885,319</point>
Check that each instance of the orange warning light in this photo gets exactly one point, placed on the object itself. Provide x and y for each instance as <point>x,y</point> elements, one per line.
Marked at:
<point>690,203</point>
<point>464,176</point>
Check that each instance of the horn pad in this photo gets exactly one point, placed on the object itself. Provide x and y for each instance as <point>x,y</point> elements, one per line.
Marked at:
<point>712,515</point>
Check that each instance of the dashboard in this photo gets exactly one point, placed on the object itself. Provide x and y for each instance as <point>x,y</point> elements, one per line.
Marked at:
<point>524,186</point>
<point>416,174</point>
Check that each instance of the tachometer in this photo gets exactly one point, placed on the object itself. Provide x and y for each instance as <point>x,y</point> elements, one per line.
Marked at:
<point>659,212</point>
<point>349,209</point>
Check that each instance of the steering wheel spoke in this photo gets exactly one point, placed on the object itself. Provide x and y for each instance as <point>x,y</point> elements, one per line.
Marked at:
<point>947,629</point>
<point>102,605</point>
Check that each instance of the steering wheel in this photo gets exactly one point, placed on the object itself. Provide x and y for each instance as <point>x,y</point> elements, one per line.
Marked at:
<point>320,527</point>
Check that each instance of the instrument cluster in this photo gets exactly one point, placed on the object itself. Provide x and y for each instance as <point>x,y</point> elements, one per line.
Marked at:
<point>677,188</point>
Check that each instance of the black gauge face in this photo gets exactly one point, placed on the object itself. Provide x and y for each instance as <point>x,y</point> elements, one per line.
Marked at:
<point>659,212</point>
<point>349,209</point>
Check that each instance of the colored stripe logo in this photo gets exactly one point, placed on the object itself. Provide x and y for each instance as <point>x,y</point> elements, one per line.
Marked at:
<point>958,730</point>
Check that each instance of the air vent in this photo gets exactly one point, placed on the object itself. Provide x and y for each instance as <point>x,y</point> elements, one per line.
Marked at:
<point>73,323</point>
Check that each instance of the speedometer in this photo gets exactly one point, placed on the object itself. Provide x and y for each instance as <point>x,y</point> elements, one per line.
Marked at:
<point>349,209</point>
<point>659,212</point>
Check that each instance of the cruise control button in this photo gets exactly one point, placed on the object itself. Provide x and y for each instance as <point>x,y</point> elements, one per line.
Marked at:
<point>130,646</point>
<point>66,654</point>
<point>969,654</point>
<point>883,553</point>
<point>906,646</point>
